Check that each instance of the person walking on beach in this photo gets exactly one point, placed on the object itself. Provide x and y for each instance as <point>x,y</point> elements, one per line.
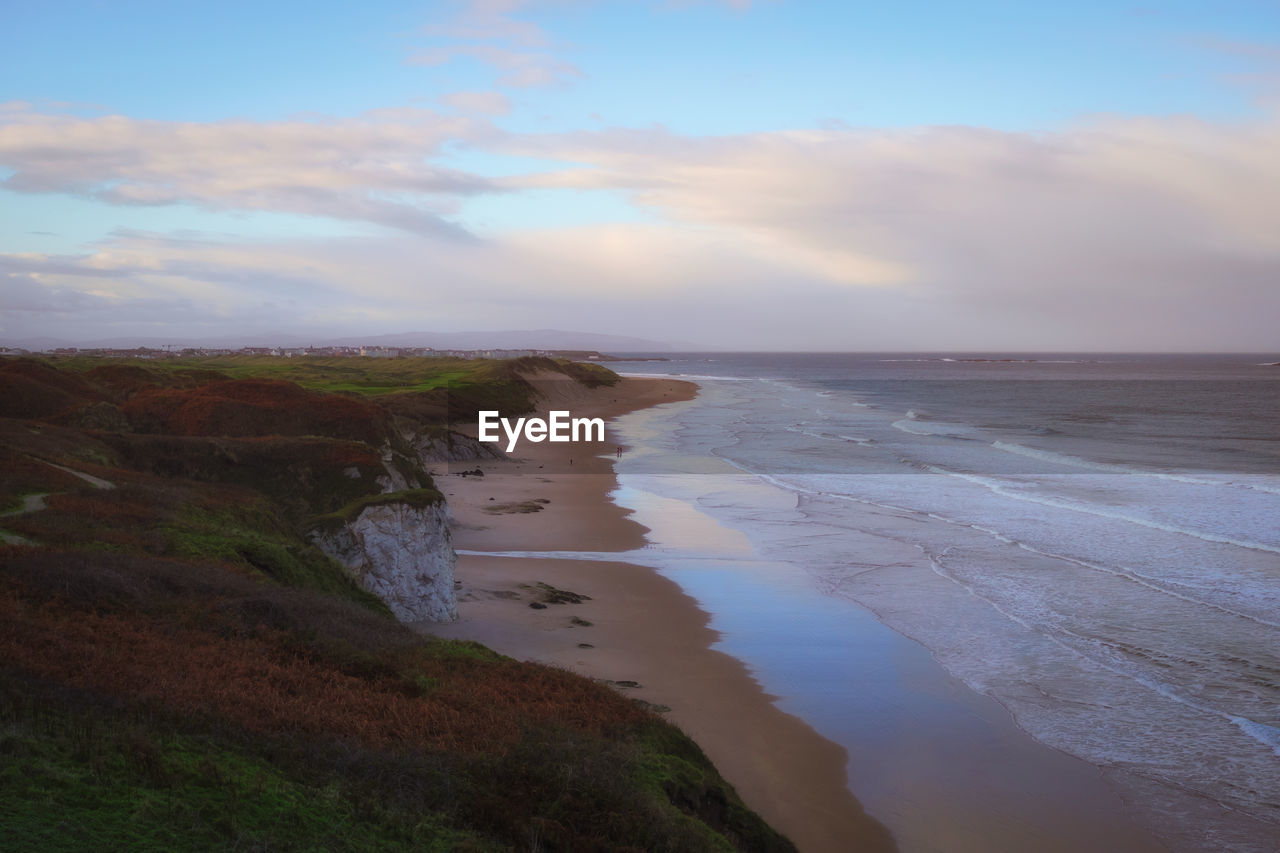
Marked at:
<point>619,451</point>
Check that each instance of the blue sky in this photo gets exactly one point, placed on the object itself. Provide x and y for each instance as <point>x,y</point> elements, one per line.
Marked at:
<point>599,164</point>
<point>696,68</point>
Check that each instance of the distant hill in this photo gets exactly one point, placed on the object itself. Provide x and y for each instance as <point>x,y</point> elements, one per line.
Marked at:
<point>542,339</point>
<point>548,339</point>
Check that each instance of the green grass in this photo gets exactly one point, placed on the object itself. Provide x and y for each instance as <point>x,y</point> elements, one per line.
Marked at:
<point>427,390</point>
<point>369,736</point>
<point>10,501</point>
<point>358,375</point>
<point>82,770</point>
<point>417,498</point>
<point>673,767</point>
<point>249,536</point>
<point>365,376</point>
<point>81,781</point>
<point>78,775</point>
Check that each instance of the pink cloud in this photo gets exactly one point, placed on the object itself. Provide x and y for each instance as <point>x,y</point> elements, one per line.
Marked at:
<point>375,168</point>
<point>482,103</point>
<point>518,69</point>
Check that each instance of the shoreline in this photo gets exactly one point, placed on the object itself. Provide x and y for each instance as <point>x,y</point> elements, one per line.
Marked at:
<point>940,763</point>
<point>634,628</point>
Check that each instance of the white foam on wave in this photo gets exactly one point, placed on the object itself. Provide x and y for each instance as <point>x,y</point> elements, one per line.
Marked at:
<point>1004,490</point>
<point>1146,757</point>
<point>1234,735</point>
<point>1159,585</point>
<point>906,426</point>
<point>1266,735</point>
<point>1261,732</point>
<point>912,425</point>
<point>1111,467</point>
<point>704,377</point>
<point>828,436</point>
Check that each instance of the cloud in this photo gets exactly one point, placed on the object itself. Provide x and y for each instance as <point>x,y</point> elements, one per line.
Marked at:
<point>373,168</point>
<point>612,278</point>
<point>1118,219</point>
<point>523,53</point>
<point>483,20</point>
<point>482,103</point>
<point>1119,233</point>
<point>518,69</point>
<point>488,32</point>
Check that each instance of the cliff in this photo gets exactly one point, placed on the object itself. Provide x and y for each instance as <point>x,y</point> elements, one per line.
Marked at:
<point>398,547</point>
<point>296,441</point>
<point>205,655</point>
<point>450,446</point>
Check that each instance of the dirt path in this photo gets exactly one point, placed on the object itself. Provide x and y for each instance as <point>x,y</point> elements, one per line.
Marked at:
<point>30,503</point>
<point>96,482</point>
<point>35,502</point>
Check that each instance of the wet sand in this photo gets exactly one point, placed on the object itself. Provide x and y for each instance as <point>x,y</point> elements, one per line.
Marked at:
<point>637,629</point>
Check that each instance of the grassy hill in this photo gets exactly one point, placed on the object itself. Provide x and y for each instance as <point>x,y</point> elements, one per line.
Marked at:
<point>181,669</point>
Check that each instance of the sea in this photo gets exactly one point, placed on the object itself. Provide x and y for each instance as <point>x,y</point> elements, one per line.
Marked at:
<point>1036,597</point>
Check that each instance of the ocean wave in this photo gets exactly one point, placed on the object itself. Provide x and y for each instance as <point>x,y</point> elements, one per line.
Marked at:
<point>1111,467</point>
<point>1004,490</point>
<point>1163,586</point>
<point>828,436</point>
<point>913,425</point>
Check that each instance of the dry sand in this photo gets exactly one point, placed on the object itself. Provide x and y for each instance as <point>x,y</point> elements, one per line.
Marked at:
<point>637,629</point>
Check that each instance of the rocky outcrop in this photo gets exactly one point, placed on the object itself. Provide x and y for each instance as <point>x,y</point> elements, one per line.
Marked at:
<point>399,548</point>
<point>452,446</point>
<point>399,472</point>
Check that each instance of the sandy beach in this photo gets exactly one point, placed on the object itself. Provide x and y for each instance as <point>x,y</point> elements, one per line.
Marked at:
<point>628,624</point>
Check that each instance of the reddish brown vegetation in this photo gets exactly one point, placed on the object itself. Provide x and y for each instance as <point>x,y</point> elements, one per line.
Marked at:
<point>30,389</point>
<point>257,407</point>
<point>187,596</point>
<point>127,517</point>
<point>21,474</point>
<point>305,476</point>
<point>124,380</point>
<point>43,440</point>
<point>120,507</point>
<point>260,684</point>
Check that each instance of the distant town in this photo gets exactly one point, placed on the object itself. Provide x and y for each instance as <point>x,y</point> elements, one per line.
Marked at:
<point>305,352</point>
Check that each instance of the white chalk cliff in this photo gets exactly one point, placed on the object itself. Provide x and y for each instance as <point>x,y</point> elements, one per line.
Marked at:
<point>402,553</point>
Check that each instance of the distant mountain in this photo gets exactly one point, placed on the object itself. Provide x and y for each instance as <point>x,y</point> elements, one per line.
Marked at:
<point>507,339</point>
<point>511,339</point>
<point>153,342</point>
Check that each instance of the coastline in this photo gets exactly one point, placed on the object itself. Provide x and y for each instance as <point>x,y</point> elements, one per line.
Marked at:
<point>937,760</point>
<point>636,628</point>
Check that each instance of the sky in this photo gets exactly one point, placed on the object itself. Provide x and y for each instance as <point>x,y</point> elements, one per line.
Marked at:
<point>732,174</point>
